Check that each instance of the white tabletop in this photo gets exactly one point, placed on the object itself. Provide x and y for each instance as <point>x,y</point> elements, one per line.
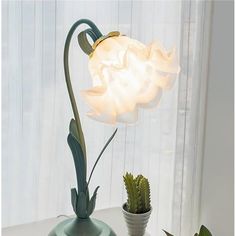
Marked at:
<point>112,216</point>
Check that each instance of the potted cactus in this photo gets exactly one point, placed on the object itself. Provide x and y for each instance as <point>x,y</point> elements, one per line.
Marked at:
<point>138,208</point>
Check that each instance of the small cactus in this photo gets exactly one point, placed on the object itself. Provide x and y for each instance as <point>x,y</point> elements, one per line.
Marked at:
<point>138,192</point>
<point>138,178</point>
<point>134,199</point>
<point>144,190</point>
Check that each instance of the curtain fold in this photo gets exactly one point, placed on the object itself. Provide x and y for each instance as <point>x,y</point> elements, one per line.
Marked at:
<point>195,28</point>
<point>165,144</point>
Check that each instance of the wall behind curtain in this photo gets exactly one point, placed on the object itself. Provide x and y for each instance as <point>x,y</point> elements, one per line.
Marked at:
<point>37,165</point>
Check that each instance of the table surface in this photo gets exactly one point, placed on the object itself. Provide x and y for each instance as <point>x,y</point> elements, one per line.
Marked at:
<point>112,216</point>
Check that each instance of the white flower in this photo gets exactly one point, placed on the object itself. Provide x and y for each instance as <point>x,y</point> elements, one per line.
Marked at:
<point>127,75</point>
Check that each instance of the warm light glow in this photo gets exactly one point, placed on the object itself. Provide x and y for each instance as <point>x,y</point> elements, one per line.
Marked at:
<point>127,75</point>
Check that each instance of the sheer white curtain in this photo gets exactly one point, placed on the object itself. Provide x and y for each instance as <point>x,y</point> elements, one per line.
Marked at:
<point>165,144</point>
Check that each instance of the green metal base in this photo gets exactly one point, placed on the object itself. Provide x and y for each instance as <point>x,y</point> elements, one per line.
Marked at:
<point>82,227</point>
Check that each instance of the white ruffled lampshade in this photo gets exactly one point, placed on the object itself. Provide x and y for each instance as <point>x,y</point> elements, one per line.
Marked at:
<point>127,75</point>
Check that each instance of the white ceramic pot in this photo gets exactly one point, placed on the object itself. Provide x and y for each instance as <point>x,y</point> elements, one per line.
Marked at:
<point>136,223</point>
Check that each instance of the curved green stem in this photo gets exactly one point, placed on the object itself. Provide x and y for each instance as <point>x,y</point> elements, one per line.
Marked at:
<point>99,156</point>
<point>96,33</point>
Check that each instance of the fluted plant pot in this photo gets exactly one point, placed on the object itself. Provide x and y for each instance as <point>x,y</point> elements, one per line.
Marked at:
<point>136,223</point>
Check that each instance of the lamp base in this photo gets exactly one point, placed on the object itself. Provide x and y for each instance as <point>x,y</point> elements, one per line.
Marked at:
<point>82,227</point>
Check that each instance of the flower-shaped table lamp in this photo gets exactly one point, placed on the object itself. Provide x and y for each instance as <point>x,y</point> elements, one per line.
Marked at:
<point>126,75</point>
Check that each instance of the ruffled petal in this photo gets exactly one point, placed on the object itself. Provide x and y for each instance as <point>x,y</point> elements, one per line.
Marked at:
<point>128,117</point>
<point>128,75</point>
<point>154,102</point>
<point>163,60</point>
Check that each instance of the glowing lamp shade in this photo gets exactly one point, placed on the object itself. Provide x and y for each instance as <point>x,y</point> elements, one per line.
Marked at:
<point>127,75</point>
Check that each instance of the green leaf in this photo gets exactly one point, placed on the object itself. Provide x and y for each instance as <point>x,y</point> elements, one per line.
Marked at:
<point>168,234</point>
<point>196,234</point>
<point>204,231</point>
<point>87,196</point>
<point>73,130</point>
<point>92,202</point>
<point>99,156</point>
<point>78,134</point>
<point>74,197</point>
<point>80,165</point>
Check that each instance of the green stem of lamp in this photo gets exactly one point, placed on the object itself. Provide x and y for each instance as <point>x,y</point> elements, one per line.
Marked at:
<point>83,205</point>
<point>86,47</point>
<point>75,125</point>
